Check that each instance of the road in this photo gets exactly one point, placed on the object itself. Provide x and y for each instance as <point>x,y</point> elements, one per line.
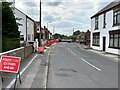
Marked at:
<point>75,67</point>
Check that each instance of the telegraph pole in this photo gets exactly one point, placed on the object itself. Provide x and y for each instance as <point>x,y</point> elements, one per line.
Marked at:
<point>40,43</point>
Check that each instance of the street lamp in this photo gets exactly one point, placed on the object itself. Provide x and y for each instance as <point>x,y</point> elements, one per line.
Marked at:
<point>47,32</point>
<point>48,23</point>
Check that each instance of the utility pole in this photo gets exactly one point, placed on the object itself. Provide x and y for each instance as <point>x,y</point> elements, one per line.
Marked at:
<point>47,33</point>
<point>53,30</point>
<point>73,30</point>
<point>40,43</point>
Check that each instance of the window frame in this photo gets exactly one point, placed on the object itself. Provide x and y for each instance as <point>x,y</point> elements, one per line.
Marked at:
<point>96,39</point>
<point>115,17</point>
<point>96,22</point>
<point>104,20</point>
<point>116,32</point>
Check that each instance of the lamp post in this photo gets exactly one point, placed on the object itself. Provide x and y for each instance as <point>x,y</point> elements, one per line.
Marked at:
<point>73,30</point>
<point>47,32</point>
<point>53,32</point>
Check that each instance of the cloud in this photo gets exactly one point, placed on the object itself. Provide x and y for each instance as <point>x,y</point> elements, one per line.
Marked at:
<point>64,14</point>
<point>29,4</point>
<point>50,18</point>
<point>65,24</point>
<point>53,3</point>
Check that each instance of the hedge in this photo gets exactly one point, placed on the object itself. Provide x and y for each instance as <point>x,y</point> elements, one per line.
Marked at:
<point>10,43</point>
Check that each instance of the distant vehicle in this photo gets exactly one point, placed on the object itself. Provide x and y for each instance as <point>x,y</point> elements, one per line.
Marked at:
<point>66,40</point>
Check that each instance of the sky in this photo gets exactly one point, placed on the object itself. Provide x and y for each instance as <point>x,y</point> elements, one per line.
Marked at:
<point>63,15</point>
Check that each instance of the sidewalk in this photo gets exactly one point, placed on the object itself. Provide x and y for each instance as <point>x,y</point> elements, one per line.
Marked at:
<point>36,74</point>
<point>114,57</point>
<point>33,73</point>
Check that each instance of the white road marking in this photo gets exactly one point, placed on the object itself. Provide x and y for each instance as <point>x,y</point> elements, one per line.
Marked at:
<point>91,64</point>
<point>80,47</point>
<point>86,61</point>
<point>72,51</point>
<point>13,81</point>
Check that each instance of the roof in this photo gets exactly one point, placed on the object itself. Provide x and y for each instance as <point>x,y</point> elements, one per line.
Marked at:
<point>24,14</point>
<point>108,7</point>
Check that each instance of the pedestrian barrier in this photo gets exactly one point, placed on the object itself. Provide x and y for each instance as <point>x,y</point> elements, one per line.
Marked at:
<point>50,42</point>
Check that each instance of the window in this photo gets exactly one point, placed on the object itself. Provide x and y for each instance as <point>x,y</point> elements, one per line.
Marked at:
<point>104,21</point>
<point>96,23</point>
<point>116,17</point>
<point>22,37</point>
<point>111,40</point>
<point>96,39</point>
<point>119,41</point>
<point>29,37</point>
<point>114,41</point>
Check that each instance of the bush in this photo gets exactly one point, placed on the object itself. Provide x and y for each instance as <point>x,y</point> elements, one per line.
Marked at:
<point>10,43</point>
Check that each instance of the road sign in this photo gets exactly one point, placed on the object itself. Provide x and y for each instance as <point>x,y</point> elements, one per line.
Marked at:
<point>10,64</point>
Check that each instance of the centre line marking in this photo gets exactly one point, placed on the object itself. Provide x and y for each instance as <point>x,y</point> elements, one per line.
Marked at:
<point>91,64</point>
<point>86,61</point>
<point>72,51</point>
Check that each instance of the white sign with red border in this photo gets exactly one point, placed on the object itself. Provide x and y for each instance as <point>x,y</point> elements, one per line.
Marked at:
<point>10,64</point>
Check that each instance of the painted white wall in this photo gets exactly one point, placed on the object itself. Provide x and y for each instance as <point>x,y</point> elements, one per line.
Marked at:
<point>30,30</point>
<point>104,32</point>
<point>22,28</point>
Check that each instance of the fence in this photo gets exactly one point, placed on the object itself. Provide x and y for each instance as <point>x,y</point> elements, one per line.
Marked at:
<point>22,52</point>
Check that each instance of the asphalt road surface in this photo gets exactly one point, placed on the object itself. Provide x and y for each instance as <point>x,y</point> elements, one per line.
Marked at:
<point>74,67</point>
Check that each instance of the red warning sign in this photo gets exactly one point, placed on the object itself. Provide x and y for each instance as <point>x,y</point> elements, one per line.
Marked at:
<point>10,64</point>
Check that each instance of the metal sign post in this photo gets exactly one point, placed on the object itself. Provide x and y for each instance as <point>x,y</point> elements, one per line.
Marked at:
<point>16,79</point>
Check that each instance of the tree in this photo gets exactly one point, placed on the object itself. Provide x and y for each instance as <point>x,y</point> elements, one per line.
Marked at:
<point>72,37</point>
<point>61,36</point>
<point>9,25</point>
<point>76,33</point>
<point>10,33</point>
<point>56,36</point>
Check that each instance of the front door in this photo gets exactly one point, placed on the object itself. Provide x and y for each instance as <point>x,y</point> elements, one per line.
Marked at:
<point>104,43</point>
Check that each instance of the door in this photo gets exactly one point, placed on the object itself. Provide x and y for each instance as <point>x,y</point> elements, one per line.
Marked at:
<point>104,43</point>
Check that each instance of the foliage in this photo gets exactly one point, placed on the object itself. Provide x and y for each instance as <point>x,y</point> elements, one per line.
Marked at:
<point>9,25</point>
<point>10,43</point>
<point>10,33</point>
<point>76,33</point>
<point>73,38</point>
<point>57,36</point>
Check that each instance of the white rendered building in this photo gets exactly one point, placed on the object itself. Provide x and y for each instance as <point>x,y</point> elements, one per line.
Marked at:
<point>26,26</point>
<point>105,29</point>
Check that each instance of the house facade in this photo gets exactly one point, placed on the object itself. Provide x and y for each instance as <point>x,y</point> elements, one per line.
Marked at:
<point>84,37</point>
<point>105,29</point>
<point>26,26</point>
